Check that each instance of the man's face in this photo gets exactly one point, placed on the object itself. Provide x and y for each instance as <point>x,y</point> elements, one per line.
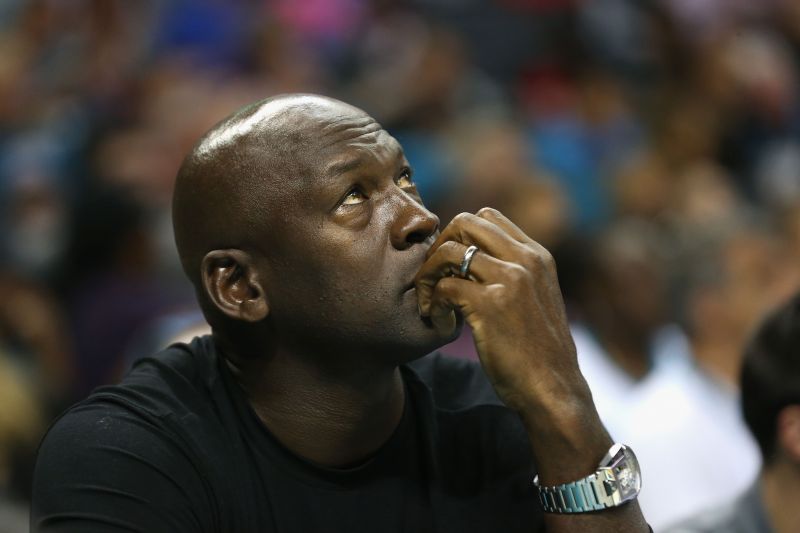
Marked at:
<point>345,243</point>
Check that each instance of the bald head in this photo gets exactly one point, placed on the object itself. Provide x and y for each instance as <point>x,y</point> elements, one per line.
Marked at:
<point>299,223</point>
<point>246,165</point>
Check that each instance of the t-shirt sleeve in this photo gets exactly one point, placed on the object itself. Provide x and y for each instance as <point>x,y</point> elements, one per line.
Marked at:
<point>103,468</point>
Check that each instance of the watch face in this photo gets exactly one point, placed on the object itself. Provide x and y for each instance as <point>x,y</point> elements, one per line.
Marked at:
<point>625,469</point>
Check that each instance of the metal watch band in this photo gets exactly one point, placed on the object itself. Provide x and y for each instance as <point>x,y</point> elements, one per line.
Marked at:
<point>584,495</point>
<point>616,481</point>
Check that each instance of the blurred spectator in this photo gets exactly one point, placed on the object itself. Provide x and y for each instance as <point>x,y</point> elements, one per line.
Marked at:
<point>622,303</point>
<point>733,282</point>
<point>111,289</point>
<point>34,219</point>
<point>35,381</point>
<point>492,160</point>
<point>615,35</point>
<point>34,335</point>
<point>766,114</point>
<point>642,187</point>
<point>540,209</point>
<point>583,140</point>
<point>21,427</point>
<point>771,406</point>
<point>647,388</point>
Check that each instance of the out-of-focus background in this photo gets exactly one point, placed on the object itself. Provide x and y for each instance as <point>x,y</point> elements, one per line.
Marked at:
<point>652,146</point>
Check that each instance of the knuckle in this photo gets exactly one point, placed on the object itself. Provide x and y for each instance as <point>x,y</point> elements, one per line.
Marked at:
<point>547,259</point>
<point>463,220</point>
<point>491,211</point>
<point>450,248</point>
<point>495,293</point>
<point>462,217</point>
<point>529,257</point>
<point>443,288</point>
<point>539,259</point>
<point>517,273</point>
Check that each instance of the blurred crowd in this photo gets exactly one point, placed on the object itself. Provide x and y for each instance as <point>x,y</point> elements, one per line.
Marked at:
<point>652,145</point>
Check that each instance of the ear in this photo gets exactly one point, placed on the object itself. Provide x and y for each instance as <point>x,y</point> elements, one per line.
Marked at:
<point>789,431</point>
<point>233,285</point>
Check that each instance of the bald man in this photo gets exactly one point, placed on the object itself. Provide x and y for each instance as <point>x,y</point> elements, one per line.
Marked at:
<point>313,405</point>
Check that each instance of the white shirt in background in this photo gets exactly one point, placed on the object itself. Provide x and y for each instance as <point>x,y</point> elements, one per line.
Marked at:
<point>686,428</point>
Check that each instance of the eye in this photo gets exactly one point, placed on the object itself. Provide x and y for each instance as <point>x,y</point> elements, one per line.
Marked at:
<point>404,181</point>
<point>354,196</point>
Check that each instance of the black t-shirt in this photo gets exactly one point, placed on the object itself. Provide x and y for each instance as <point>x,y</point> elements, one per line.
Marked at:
<point>176,447</point>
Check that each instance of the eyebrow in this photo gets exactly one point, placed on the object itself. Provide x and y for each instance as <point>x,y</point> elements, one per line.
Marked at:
<point>343,167</point>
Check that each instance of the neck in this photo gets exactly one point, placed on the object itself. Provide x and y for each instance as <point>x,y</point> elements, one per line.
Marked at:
<point>631,353</point>
<point>780,491</point>
<point>719,356</point>
<point>328,416</point>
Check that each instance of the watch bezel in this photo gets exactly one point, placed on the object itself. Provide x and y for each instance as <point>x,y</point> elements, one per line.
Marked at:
<point>620,474</point>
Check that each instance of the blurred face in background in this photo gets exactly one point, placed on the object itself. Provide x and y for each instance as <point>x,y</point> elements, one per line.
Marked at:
<point>626,287</point>
<point>540,209</point>
<point>633,288</point>
<point>753,275</point>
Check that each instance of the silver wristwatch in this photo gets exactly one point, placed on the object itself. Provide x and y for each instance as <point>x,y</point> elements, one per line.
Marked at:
<point>616,481</point>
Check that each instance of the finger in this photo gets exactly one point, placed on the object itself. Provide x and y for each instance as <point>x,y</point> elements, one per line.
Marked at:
<point>498,218</point>
<point>452,295</point>
<point>469,229</point>
<point>493,215</point>
<point>446,262</point>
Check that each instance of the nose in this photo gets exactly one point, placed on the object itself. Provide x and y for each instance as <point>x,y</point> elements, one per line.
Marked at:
<point>413,224</point>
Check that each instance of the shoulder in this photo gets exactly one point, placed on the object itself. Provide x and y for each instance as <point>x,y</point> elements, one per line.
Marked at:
<point>102,430</point>
<point>156,391</point>
<point>101,463</point>
<point>177,395</point>
<point>131,451</point>
<point>181,380</point>
<point>180,367</point>
<point>455,384</point>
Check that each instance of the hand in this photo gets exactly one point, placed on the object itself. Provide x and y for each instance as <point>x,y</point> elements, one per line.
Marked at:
<point>513,304</point>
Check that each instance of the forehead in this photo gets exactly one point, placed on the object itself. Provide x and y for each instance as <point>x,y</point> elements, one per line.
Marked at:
<point>355,146</point>
<point>312,141</point>
<point>334,124</point>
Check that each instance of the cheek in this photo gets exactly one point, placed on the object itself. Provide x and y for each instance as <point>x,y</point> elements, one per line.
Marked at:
<point>338,280</point>
<point>337,273</point>
<point>355,277</point>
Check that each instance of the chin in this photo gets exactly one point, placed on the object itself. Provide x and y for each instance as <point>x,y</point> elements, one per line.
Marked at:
<point>422,339</point>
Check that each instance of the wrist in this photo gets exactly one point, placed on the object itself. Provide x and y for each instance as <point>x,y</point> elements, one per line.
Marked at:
<point>559,406</point>
<point>567,437</point>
